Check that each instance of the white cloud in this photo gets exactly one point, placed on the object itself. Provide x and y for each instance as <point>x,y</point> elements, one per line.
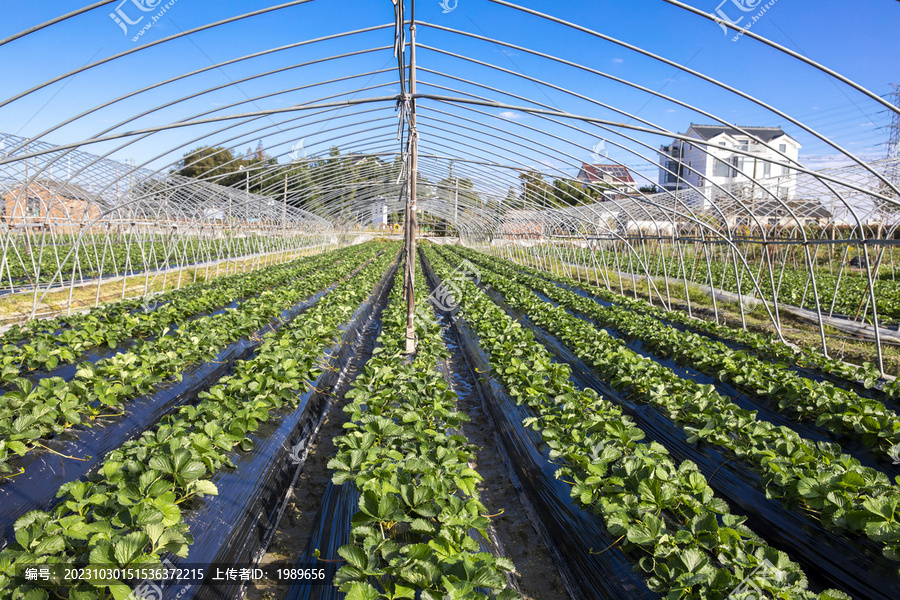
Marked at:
<point>671,110</point>
<point>511,115</point>
<point>618,60</point>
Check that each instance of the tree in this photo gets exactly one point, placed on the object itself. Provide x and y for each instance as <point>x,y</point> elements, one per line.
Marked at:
<point>512,199</point>
<point>220,165</point>
<point>214,164</point>
<point>535,191</point>
<point>648,189</point>
<point>569,193</point>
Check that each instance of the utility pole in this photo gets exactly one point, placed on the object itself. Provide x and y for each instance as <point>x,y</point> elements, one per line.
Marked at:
<point>412,175</point>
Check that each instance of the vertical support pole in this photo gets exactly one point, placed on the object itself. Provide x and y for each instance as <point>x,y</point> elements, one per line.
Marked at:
<point>412,177</point>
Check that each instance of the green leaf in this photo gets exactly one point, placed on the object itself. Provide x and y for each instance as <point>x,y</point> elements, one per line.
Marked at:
<point>354,556</point>
<point>131,546</point>
<point>53,544</point>
<point>362,591</point>
<point>204,487</point>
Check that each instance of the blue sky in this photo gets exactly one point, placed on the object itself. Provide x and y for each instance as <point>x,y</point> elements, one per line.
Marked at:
<point>857,39</point>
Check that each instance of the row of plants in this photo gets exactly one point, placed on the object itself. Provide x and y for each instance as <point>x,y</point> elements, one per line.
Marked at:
<point>46,344</point>
<point>30,413</point>
<point>132,510</point>
<point>764,345</point>
<point>837,410</point>
<point>404,451</point>
<point>816,478</point>
<point>691,545</point>
<point>849,295</point>
<point>103,258</point>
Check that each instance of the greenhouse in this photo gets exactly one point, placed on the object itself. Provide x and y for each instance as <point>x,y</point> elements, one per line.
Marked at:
<point>449,300</point>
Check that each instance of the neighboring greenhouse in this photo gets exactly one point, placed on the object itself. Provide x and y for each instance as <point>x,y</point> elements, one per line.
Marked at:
<point>469,318</point>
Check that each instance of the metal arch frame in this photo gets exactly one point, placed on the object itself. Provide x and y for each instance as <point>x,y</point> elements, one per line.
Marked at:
<point>493,156</point>
<point>108,211</point>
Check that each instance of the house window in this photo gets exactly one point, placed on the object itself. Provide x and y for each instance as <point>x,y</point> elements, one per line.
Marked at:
<point>745,146</point>
<point>782,148</point>
<point>721,169</point>
<point>767,169</point>
<point>33,206</point>
<point>737,163</point>
<point>674,171</point>
<point>722,144</point>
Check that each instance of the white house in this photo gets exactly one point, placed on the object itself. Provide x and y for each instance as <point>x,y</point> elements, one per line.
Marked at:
<point>379,213</point>
<point>715,163</point>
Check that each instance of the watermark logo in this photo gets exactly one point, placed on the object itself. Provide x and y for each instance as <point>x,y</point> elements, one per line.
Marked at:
<point>894,453</point>
<point>298,152</point>
<point>149,590</point>
<point>146,590</point>
<point>735,8</point>
<point>596,452</point>
<point>447,6</point>
<point>296,451</point>
<point>599,150</point>
<point>150,301</point>
<point>444,297</point>
<point>132,13</point>
<point>749,589</point>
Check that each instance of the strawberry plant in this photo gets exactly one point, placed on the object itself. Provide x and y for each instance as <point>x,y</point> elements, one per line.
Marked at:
<point>837,410</point>
<point>131,511</point>
<point>691,545</point>
<point>816,477</point>
<point>419,500</point>
<point>30,413</point>
<point>45,344</point>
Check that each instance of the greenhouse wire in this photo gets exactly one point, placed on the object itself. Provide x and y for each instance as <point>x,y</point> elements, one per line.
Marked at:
<point>251,497</point>
<point>829,560</point>
<point>575,534</point>
<point>45,472</point>
<point>819,367</point>
<point>766,407</point>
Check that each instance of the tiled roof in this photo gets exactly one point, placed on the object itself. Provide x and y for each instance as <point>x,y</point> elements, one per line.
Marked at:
<point>619,173</point>
<point>766,134</point>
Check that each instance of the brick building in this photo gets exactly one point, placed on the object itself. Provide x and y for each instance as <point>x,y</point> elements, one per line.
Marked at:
<point>51,202</point>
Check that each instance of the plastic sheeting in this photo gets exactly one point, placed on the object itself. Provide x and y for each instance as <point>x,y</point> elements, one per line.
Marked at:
<point>45,472</point>
<point>766,408</point>
<point>574,536</point>
<point>848,562</point>
<point>236,526</point>
<point>331,530</point>
<point>814,374</point>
